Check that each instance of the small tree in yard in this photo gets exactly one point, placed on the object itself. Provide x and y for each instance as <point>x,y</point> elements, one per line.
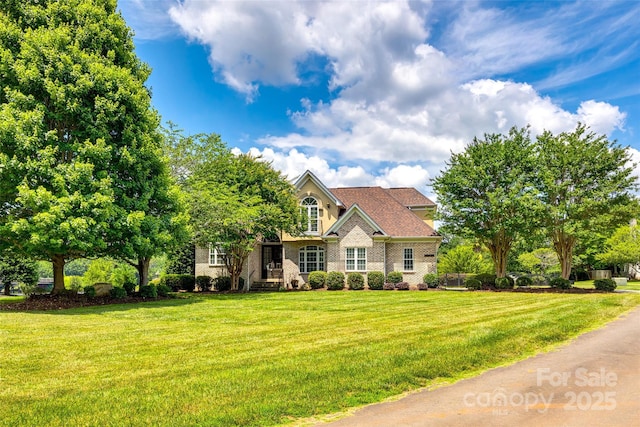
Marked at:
<point>487,192</point>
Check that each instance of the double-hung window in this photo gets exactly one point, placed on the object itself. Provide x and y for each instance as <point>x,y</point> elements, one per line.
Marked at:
<point>356,259</point>
<point>216,255</point>
<point>407,259</point>
<point>311,259</point>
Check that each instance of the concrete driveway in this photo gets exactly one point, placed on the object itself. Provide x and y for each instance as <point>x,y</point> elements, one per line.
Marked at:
<point>592,381</point>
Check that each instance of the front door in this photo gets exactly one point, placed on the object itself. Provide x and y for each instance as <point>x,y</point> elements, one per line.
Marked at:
<point>271,262</point>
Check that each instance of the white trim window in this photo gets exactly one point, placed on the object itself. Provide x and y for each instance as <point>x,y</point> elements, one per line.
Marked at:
<point>310,209</point>
<point>311,259</point>
<point>216,255</point>
<point>407,259</point>
<point>356,259</point>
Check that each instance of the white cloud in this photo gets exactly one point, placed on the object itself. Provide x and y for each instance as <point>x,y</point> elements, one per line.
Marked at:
<point>395,98</point>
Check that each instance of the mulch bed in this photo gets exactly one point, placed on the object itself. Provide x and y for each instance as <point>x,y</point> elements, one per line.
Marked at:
<point>63,302</point>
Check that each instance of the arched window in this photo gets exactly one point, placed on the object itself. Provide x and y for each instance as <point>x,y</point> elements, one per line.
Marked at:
<point>310,208</point>
<point>311,259</point>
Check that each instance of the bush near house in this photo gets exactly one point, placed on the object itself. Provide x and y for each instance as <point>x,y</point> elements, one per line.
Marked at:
<point>606,285</point>
<point>222,283</point>
<point>176,282</point>
<point>560,283</point>
<point>90,291</point>
<point>317,279</point>
<point>148,291</point>
<point>394,277</point>
<point>487,280</point>
<point>118,292</point>
<point>355,281</point>
<point>335,281</point>
<point>389,286</point>
<point>204,283</point>
<point>473,284</point>
<point>431,280</point>
<point>504,283</point>
<point>423,286</point>
<point>402,286</point>
<point>375,280</point>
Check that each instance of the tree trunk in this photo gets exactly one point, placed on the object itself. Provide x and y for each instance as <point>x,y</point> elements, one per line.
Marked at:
<point>7,288</point>
<point>499,248</point>
<point>58,274</point>
<point>143,270</point>
<point>563,244</point>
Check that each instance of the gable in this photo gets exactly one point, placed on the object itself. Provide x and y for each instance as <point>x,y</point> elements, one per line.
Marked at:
<point>355,216</point>
<point>393,218</point>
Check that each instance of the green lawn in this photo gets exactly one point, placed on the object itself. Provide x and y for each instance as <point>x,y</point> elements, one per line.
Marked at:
<point>631,285</point>
<point>265,359</point>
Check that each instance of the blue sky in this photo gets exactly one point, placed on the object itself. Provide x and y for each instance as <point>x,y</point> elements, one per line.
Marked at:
<point>380,93</point>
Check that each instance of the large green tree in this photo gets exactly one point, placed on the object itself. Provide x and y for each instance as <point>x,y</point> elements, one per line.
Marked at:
<point>585,184</point>
<point>486,192</point>
<point>74,116</point>
<point>236,200</point>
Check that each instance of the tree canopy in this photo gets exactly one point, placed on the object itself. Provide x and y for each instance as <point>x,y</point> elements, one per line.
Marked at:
<point>79,146</point>
<point>573,188</point>
<point>486,192</point>
<point>236,200</point>
<point>585,184</point>
<point>623,247</point>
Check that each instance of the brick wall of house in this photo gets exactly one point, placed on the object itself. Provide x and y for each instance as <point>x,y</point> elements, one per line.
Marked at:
<point>422,264</point>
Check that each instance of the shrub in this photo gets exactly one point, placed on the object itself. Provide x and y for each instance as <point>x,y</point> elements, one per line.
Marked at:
<point>389,286</point>
<point>155,282</point>
<point>504,283</point>
<point>375,280</point>
<point>129,287</point>
<point>148,291</point>
<point>73,283</point>
<point>118,292</point>
<point>473,284</point>
<point>317,279</point>
<point>487,280</point>
<point>222,283</point>
<point>402,286</point>
<point>423,286</point>
<point>177,282</point>
<point>90,291</point>
<point>335,281</point>
<point>560,283</point>
<point>431,280</point>
<point>355,281</point>
<point>606,285</point>
<point>394,277</point>
<point>204,282</point>
<point>163,290</point>
<point>524,281</point>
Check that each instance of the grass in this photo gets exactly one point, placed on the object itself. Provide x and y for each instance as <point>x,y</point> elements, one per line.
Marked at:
<point>630,286</point>
<point>267,359</point>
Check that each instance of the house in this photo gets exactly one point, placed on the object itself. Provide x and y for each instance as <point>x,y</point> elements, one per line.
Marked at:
<point>353,229</point>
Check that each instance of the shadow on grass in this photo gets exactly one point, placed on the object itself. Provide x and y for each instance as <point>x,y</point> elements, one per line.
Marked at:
<point>48,304</point>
